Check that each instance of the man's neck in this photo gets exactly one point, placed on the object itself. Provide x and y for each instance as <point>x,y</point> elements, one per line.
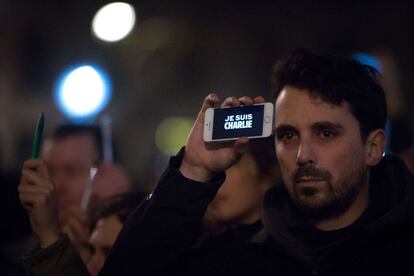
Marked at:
<point>349,216</point>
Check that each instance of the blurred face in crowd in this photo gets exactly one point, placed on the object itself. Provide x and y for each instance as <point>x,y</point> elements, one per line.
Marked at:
<point>102,239</point>
<point>239,199</point>
<point>69,161</point>
<point>321,154</point>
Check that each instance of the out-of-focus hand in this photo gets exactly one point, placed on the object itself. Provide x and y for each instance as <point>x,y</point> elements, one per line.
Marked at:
<point>202,161</point>
<point>76,225</point>
<point>37,195</point>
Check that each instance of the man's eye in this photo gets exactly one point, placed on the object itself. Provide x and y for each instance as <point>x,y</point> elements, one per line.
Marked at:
<point>327,134</point>
<point>286,136</point>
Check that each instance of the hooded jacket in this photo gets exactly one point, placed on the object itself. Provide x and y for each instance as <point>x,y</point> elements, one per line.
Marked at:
<point>380,242</point>
<point>159,239</point>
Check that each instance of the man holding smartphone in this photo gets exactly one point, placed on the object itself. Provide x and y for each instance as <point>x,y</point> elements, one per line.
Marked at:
<point>344,208</point>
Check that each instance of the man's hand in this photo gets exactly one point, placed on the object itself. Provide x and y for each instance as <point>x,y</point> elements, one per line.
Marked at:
<point>37,194</point>
<point>202,161</point>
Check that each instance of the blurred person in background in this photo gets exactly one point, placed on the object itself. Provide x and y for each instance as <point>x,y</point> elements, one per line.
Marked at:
<point>110,219</point>
<point>239,200</point>
<point>234,214</point>
<point>70,154</point>
<point>236,208</point>
<point>56,254</point>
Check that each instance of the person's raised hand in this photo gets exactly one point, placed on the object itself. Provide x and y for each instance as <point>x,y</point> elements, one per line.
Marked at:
<point>37,195</point>
<point>203,160</point>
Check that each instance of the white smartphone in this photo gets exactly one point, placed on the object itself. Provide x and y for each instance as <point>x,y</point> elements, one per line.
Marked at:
<point>230,123</point>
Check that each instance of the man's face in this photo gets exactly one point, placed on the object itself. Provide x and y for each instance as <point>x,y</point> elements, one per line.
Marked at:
<point>320,151</point>
<point>102,239</point>
<point>69,161</point>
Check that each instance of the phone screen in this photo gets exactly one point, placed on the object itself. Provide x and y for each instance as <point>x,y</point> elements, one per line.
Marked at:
<point>238,122</point>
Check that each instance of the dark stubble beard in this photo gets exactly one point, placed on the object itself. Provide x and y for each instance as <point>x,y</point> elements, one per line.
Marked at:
<point>336,199</point>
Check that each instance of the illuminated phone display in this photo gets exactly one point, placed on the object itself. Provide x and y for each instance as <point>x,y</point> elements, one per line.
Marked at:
<point>238,122</point>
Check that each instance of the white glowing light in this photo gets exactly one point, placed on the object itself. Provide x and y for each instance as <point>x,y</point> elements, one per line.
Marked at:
<point>83,92</point>
<point>114,21</point>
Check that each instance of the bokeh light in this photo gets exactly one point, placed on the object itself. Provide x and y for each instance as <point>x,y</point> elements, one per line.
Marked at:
<point>368,59</point>
<point>82,92</point>
<point>171,134</point>
<point>114,21</point>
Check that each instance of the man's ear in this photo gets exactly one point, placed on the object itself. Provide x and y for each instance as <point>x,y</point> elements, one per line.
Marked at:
<point>375,146</point>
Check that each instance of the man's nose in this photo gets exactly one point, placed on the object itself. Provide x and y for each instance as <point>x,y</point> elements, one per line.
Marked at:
<point>306,153</point>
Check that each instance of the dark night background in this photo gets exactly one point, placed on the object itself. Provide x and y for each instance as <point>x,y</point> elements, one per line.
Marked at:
<point>177,53</point>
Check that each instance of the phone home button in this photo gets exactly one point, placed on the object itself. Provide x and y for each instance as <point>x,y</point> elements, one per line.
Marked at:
<point>267,119</point>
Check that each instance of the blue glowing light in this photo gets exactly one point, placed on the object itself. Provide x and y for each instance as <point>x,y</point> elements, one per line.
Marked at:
<point>82,92</point>
<point>368,59</point>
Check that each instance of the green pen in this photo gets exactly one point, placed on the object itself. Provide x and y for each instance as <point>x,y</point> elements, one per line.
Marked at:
<point>37,141</point>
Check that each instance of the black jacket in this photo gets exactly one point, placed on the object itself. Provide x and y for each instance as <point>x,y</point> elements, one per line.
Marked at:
<point>159,238</point>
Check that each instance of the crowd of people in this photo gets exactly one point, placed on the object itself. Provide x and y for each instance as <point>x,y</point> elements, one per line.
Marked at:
<point>319,197</point>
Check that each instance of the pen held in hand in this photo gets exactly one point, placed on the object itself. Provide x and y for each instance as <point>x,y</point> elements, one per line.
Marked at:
<point>37,140</point>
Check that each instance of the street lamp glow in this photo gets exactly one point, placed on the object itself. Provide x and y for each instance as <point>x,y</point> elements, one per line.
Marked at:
<point>114,21</point>
<point>83,92</point>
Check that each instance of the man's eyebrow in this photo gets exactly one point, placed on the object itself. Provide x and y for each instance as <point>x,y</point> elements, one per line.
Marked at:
<point>281,128</point>
<point>327,124</point>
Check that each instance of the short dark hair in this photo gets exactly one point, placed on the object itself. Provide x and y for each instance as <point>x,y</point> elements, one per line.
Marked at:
<point>335,80</point>
<point>68,130</point>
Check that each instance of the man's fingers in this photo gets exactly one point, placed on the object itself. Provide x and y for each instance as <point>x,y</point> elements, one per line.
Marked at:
<point>210,101</point>
<point>259,99</point>
<point>35,178</point>
<point>32,199</point>
<point>31,164</point>
<point>37,165</point>
<point>246,100</point>
<point>27,188</point>
<point>231,101</point>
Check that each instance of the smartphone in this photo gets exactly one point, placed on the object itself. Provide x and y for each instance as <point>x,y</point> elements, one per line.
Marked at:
<point>230,123</point>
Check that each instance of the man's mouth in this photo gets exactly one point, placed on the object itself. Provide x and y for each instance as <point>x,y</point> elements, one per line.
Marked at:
<point>310,179</point>
<point>310,182</point>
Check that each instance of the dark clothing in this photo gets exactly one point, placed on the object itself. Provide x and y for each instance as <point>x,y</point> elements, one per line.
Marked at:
<point>58,259</point>
<point>159,238</point>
